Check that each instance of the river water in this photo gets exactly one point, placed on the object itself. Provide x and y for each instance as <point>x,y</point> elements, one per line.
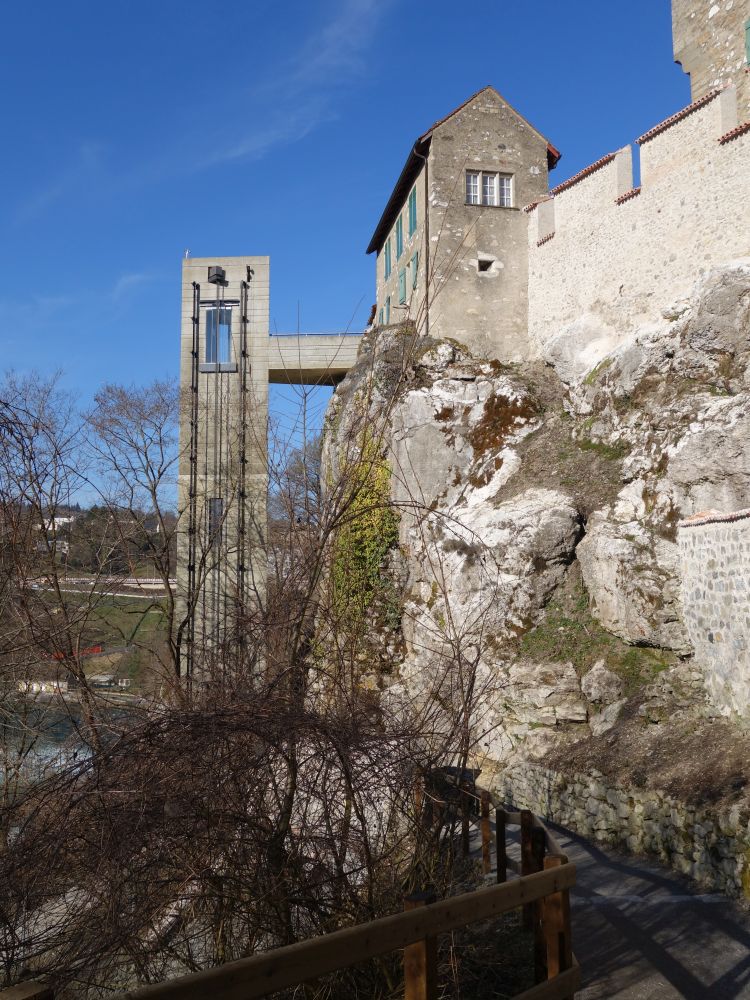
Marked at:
<point>38,738</point>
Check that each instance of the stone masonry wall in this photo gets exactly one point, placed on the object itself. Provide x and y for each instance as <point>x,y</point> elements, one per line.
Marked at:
<point>488,311</point>
<point>711,846</point>
<point>388,287</point>
<point>607,257</point>
<point>715,562</point>
<point>709,43</point>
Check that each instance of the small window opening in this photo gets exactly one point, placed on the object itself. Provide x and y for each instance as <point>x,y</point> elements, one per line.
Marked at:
<point>484,264</point>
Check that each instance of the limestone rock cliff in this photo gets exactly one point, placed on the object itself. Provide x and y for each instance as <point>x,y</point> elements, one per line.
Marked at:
<point>538,510</point>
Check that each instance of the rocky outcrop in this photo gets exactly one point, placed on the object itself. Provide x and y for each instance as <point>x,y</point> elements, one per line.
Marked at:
<point>673,402</point>
<point>537,554</point>
<point>538,513</point>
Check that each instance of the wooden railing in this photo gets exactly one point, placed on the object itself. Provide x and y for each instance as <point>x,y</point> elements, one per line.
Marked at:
<point>414,931</point>
<point>548,919</point>
<point>542,891</point>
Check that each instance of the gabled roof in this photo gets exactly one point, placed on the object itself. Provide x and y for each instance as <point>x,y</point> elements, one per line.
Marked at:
<point>416,159</point>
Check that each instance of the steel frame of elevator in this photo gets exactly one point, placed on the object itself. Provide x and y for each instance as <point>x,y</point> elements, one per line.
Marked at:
<point>219,478</point>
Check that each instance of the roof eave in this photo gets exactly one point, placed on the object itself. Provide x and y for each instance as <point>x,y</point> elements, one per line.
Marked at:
<point>408,174</point>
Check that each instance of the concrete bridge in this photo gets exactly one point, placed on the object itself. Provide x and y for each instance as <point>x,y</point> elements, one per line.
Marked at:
<point>311,358</point>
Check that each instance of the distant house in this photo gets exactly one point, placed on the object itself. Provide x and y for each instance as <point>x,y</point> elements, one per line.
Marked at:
<point>451,243</point>
<point>152,524</point>
<point>56,531</point>
<point>58,522</point>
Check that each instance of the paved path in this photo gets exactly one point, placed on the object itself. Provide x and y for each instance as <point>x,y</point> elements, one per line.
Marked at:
<point>642,931</point>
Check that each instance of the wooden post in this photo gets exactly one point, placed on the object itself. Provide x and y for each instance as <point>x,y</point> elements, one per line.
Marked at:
<point>538,844</point>
<point>501,856</point>
<point>420,958</point>
<point>485,828</point>
<point>419,799</point>
<point>556,921</point>
<point>526,860</point>
<point>465,806</point>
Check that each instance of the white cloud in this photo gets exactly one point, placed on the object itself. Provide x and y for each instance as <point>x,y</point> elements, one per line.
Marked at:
<point>300,96</point>
<point>127,282</point>
<point>84,164</point>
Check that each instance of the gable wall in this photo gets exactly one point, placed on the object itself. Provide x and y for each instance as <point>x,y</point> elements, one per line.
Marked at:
<point>486,311</point>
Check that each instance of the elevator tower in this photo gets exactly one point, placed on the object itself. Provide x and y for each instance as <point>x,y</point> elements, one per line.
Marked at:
<point>221,557</point>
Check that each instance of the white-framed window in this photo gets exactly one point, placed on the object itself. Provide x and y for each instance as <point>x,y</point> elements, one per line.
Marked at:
<point>505,190</point>
<point>489,187</point>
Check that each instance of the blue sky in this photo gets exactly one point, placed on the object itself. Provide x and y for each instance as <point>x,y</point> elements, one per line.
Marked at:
<point>135,130</point>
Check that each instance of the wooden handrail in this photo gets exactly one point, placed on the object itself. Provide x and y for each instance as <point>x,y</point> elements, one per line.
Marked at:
<point>269,972</point>
<point>549,919</point>
<point>31,990</point>
<point>543,895</point>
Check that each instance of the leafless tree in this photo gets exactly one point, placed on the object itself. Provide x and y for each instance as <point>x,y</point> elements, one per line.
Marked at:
<point>281,803</point>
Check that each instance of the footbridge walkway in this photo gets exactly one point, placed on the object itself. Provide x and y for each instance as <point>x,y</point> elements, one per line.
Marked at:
<point>311,358</point>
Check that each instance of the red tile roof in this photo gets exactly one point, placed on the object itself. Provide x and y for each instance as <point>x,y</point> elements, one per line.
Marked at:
<point>632,193</point>
<point>583,173</point>
<point>673,119</point>
<point>713,517</point>
<point>536,204</point>
<point>735,133</point>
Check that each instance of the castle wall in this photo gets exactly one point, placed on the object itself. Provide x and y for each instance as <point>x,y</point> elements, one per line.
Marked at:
<point>709,43</point>
<point>715,560</point>
<point>612,256</point>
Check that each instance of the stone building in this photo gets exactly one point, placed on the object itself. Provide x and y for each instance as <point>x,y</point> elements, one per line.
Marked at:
<point>451,242</point>
<point>457,253</point>
<point>712,43</point>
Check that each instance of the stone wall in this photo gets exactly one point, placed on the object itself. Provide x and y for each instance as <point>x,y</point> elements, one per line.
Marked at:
<point>715,563</point>
<point>606,258</point>
<point>709,43</point>
<point>711,846</point>
<point>487,310</point>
